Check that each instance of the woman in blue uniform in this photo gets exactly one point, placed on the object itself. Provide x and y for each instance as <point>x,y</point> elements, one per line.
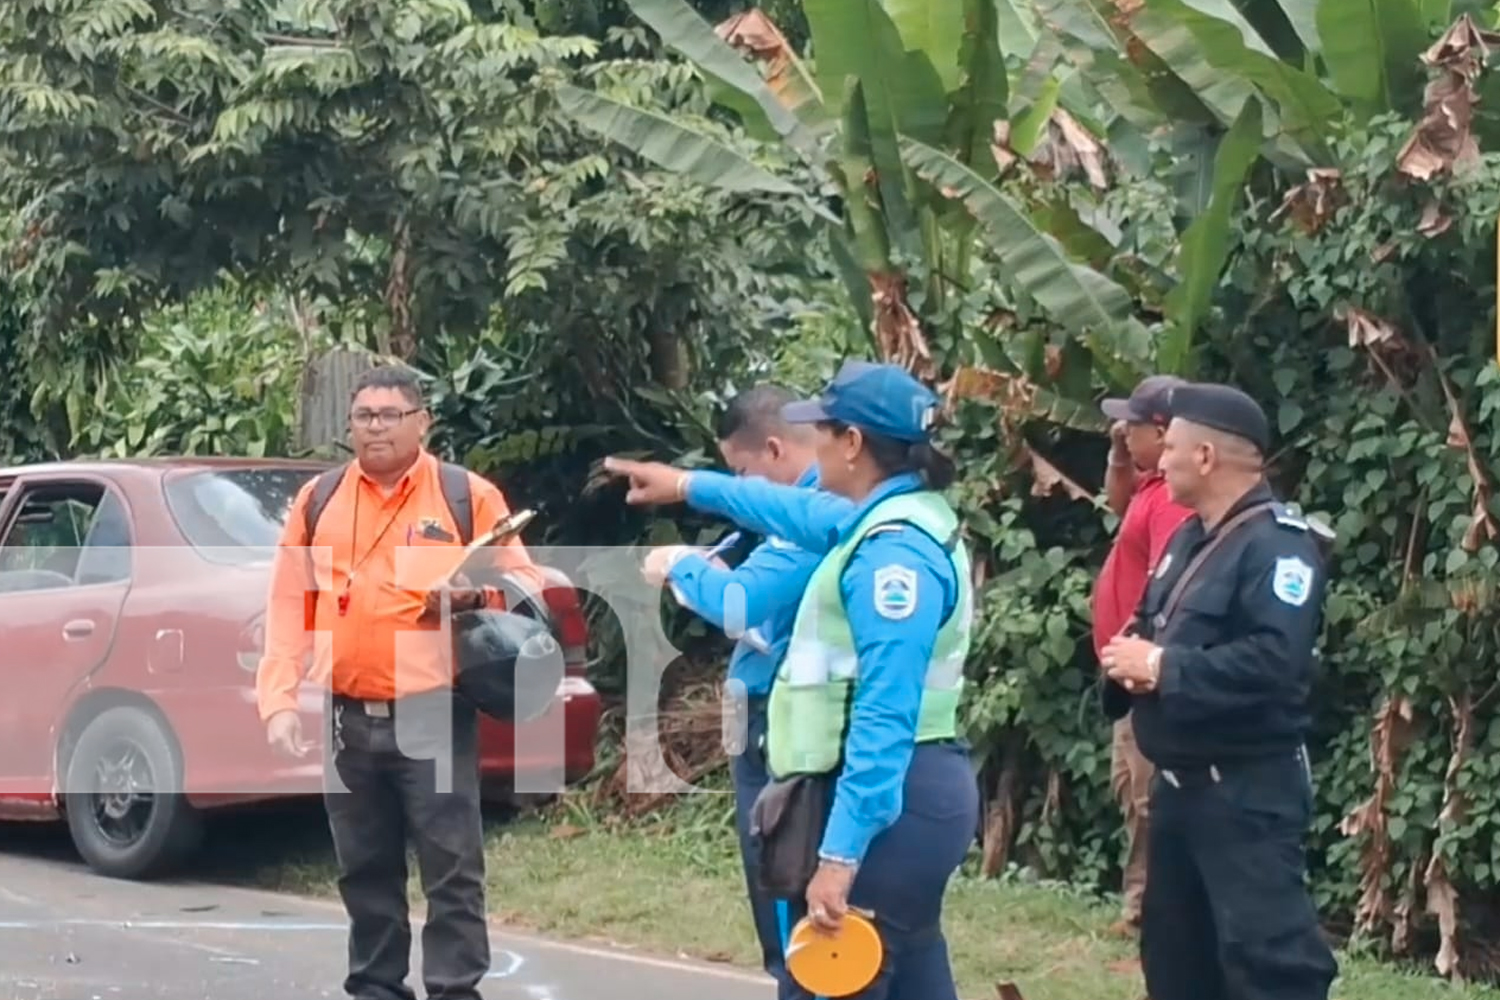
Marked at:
<point>868,688</point>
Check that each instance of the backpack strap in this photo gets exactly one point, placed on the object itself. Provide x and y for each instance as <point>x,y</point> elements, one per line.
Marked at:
<point>324,487</point>
<point>454,480</point>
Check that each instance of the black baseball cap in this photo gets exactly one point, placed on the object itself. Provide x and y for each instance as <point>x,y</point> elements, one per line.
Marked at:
<point>1224,408</point>
<point>1148,404</point>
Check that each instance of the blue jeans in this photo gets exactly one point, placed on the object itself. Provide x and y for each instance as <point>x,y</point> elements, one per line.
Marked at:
<point>748,771</point>
<point>905,875</point>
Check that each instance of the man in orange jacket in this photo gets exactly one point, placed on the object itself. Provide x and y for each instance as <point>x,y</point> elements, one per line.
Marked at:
<point>378,553</point>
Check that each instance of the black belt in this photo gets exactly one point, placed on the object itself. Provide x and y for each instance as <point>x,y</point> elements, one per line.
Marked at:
<point>385,708</point>
<point>1200,775</point>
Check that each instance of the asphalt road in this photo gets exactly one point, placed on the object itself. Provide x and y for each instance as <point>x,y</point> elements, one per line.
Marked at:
<point>67,934</point>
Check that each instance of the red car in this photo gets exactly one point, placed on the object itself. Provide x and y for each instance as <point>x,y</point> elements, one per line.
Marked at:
<point>132,599</point>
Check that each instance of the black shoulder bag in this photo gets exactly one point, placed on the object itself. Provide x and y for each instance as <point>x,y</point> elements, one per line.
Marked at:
<point>787,823</point>
<point>1174,598</point>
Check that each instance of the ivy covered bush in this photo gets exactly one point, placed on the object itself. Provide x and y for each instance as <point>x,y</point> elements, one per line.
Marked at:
<point>1367,331</point>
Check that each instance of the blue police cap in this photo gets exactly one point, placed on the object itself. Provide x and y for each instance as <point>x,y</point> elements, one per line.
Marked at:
<point>880,399</point>
<point>1224,408</point>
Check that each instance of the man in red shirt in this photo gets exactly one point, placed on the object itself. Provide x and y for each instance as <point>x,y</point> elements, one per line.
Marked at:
<point>1136,491</point>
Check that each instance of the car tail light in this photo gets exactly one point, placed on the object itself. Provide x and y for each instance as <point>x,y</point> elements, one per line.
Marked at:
<point>251,644</point>
<point>566,612</point>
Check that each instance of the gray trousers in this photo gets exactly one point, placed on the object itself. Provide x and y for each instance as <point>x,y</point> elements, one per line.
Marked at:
<point>409,773</point>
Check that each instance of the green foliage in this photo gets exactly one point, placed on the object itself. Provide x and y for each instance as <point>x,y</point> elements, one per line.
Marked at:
<point>373,153</point>
<point>218,375</point>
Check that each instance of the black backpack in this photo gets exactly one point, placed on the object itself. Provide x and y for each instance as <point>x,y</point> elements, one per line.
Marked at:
<point>454,480</point>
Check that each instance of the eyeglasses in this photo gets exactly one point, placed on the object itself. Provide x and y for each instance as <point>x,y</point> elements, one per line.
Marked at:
<point>380,418</point>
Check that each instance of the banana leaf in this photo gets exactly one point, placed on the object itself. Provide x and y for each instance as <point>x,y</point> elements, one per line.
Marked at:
<point>1205,244</point>
<point>1373,48</point>
<point>1082,301</point>
<point>1132,78</point>
<point>983,95</point>
<point>683,29</point>
<point>934,28</point>
<point>670,144</point>
<point>902,94</point>
<point>1307,110</point>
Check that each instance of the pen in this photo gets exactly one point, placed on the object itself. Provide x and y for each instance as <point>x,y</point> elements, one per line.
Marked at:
<point>723,545</point>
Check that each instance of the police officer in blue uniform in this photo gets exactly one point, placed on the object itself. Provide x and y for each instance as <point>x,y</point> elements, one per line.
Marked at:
<point>1216,672</point>
<point>905,804</point>
<point>765,588</point>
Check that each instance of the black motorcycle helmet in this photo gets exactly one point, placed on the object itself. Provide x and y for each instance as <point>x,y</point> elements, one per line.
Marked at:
<point>508,665</point>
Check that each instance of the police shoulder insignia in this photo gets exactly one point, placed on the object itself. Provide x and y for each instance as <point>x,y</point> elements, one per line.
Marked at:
<point>895,591</point>
<point>1292,581</point>
<point>1289,516</point>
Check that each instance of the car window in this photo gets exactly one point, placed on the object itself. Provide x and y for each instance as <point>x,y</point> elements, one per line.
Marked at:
<point>45,545</point>
<point>234,515</point>
<point>106,548</point>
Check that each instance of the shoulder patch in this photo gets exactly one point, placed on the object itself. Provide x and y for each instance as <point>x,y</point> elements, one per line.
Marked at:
<point>895,592</point>
<point>1291,581</point>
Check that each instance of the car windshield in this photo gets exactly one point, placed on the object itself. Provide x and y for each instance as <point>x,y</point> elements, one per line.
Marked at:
<point>235,514</point>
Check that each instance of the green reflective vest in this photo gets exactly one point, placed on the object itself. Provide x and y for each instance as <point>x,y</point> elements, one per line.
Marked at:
<point>809,704</point>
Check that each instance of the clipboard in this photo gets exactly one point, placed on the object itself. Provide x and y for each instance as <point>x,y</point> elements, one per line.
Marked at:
<point>507,528</point>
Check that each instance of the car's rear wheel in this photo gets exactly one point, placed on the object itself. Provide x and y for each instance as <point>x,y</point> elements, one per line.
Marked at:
<point>120,821</point>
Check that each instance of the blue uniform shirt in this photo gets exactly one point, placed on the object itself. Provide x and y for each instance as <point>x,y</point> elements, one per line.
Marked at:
<point>893,652</point>
<point>764,589</point>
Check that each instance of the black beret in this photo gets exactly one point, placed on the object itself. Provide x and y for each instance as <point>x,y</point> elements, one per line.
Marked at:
<point>1224,408</point>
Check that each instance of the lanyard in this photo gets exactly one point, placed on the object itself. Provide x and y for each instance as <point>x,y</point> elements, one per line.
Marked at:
<point>343,601</point>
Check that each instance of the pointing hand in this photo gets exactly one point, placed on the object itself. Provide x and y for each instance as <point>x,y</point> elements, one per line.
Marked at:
<point>650,482</point>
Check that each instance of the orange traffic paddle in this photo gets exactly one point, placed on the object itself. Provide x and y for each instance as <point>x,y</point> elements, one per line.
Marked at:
<point>837,964</point>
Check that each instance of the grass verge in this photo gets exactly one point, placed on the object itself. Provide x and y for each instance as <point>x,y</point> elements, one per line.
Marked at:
<point>673,885</point>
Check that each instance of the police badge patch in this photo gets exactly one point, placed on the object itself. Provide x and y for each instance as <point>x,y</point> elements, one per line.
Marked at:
<point>895,592</point>
<point>1291,581</point>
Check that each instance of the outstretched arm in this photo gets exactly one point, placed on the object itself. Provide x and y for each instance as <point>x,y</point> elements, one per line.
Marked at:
<point>808,518</point>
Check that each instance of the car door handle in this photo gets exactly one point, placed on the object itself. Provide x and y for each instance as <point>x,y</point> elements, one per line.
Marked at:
<point>78,628</point>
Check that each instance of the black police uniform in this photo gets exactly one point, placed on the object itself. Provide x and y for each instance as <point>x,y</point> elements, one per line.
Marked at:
<point>1226,913</point>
